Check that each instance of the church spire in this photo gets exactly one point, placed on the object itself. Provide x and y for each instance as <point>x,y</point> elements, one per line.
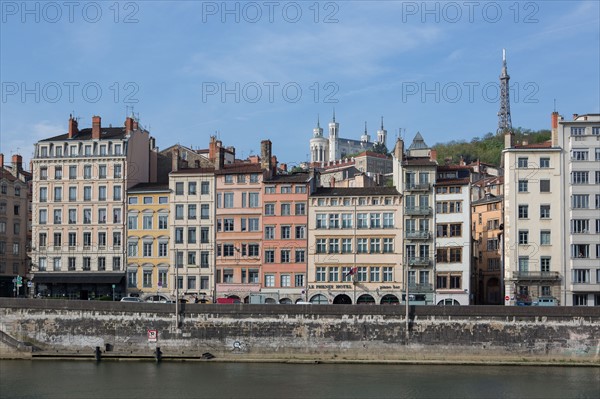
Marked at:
<point>382,123</point>
<point>365,127</point>
<point>333,114</point>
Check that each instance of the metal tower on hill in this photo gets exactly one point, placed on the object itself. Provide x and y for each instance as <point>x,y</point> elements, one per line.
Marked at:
<point>504,121</point>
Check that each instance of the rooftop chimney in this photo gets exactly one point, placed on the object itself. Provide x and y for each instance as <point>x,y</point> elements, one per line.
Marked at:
<point>96,126</point>
<point>575,116</point>
<point>1,161</point>
<point>399,149</point>
<point>265,155</point>
<point>129,124</point>
<point>555,129</point>
<point>433,155</point>
<point>73,129</point>
<point>17,164</point>
<point>175,160</point>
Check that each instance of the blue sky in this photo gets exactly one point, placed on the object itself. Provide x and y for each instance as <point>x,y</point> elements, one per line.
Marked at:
<point>192,68</point>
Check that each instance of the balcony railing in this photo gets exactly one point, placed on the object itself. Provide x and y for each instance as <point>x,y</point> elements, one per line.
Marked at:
<point>418,210</point>
<point>417,187</point>
<point>418,235</point>
<point>419,261</point>
<point>536,275</point>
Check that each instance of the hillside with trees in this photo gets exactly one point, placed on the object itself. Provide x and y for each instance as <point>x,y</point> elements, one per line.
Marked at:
<point>487,149</point>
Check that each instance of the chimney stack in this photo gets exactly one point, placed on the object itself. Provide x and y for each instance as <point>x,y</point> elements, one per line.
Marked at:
<point>399,149</point>
<point>17,164</point>
<point>1,160</point>
<point>96,126</point>
<point>129,125</point>
<point>575,116</point>
<point>433,155</point>
<point>554,129</point>
<point>73,128</point>
<point>175,160</point>
<point>265,155</point>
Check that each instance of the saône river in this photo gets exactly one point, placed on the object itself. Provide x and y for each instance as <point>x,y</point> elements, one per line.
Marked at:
<point>86,379</point>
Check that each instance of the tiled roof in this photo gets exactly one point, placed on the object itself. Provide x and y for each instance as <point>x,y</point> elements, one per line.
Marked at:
<point>488,200</point>
<point>354,191</point>
<point>545,144</point>
<point>371,154</point>
<point>5,174</point>
<point>106,133</point>
<point>418,161</point>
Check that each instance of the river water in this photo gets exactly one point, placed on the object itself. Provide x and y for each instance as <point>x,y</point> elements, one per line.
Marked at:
<point>132,379</point>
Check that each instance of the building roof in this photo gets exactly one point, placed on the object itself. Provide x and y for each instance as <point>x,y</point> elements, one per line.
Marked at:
<point>418,143</point>
<point>353,191</point>
<point>239,168</point>
<point>489,180</point>
<point>489,198</point>
<point>544,144</point>
<point>6,174</point>
<point>418,161</point>
<point>300,177</point>
<point>191,171</point>
<point>149,187</point>
<point>371,154</point>
<point>452,182</point>
<point>106,133</point>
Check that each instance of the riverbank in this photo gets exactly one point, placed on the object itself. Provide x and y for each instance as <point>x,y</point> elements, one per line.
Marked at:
<point>349,334</point>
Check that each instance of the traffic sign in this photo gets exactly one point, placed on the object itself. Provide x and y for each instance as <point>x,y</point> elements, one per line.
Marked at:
<point>507,298</point>
<point>152,335</point>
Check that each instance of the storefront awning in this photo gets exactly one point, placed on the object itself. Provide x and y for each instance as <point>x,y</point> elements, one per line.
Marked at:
<point>78,278</point>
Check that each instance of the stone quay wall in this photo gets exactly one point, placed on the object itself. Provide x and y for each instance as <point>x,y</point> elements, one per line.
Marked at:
<point>344,333</point>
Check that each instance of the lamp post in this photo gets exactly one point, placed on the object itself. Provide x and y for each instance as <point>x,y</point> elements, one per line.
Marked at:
<point>406,307</point>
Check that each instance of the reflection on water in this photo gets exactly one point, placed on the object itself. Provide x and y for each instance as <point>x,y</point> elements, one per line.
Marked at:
<point>133,379</point>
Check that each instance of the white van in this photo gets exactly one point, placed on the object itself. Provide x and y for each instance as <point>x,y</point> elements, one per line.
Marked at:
<point>545,301</point>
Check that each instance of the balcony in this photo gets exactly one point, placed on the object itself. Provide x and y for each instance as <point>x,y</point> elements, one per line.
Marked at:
<point>418,235</point>
<point>417,187</point>
<point>546,276</point>
<point>418,211</point>
<point>415,288</point>
<point>419,261</point>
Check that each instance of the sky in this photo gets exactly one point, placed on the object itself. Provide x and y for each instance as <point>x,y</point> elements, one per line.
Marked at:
<point>249,71</point>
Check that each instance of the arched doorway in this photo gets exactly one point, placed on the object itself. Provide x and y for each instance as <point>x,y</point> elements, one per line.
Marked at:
<point>270,301</point>
<point>285,301</point>
<point>319,299</point>
<point>365,299</point>
<point>342,299</point>
<point>390,299</point>
<point>493,291</point>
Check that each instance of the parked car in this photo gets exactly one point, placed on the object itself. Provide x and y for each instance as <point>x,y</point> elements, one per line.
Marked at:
<point>131,299</point>
<point>228,300</point>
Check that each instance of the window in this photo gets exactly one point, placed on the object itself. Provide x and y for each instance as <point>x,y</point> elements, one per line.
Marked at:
<point>57,239</point>
<point>57,194</point>
<point>523,211</point>
<point>321,221</point>
<point>192,188</point>
<point>300,189</point>
<point>388,245</point>
<point>269,189</point>
<point>523,186</point>
<point>204,211</point>
<point>57,216</point>
<point>228,179</point>
<point>269,256</point>
<point>254,178</point>
<point>362,245</point>
<point>179,235</point>
<point>285,255</point>
<point>334,221</point>
<point>388,220</point>
<point>581,276</point>
<point>228,200</point>
<point>147,222</point>
<point>523,237</point>
<point>253,250</point>
<point>58,172</point>
<point>179,188</point>
<point>286,232</point>
<point>102,215</point>
<point>116,239</point>
<point>269,209</point>
<point>228,225</point>
<point>544,162</point>
<point>87,239</point>
<point>492,244</point>
<point>163,222</point>
<point>43,216</point>
<point>87,172</point>
<point>253,200</point>
<point>522,162</point>
<point>286,189</point>
<point>334,245</point>
<point>191,260</point>
<point>269,280</point>
<point>162,249</point>
<point>102,239</point>
<point>191,211</point>
<point>598,154</point>
<point>285,209</point>
<point>523,264</point>
<point>191,235</point>
<point>204,187</point>
<point>596,130</point>
<point>346,245</point>
<point>580,177</point>
<point>299,256</point>
<point>72,172</point>
<point>300,208</point>
<point>579,299</point>
<point>580,251</point>
<point>179,212</point>
<point>362,220</point>
<point>346,220</point>
<point>43,193</point>
<point>117,171</point>
<point>545,237</point>
<point>375,245</point>
<point>544,186</point>
<point>321,274</point>
<point>545,264</point>
<point>580,201</point>
<point>577,131</point>
<point>102,171</point>
<point>579,155</point>
<point>321,246</point>
<point>361,274</point>
<point>544,211</point>
<point>253,224</point>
